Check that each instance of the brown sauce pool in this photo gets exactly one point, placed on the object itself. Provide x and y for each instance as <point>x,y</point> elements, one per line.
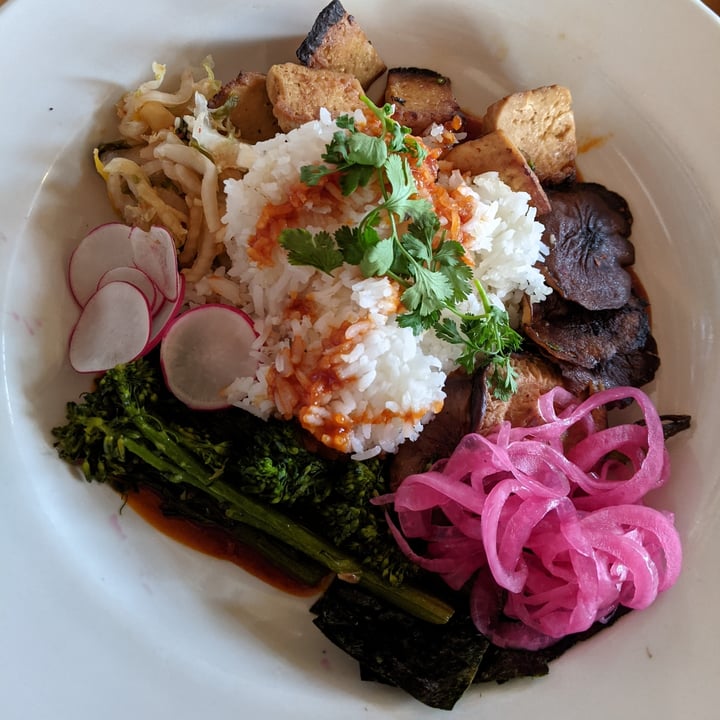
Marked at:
<point>214,542</point>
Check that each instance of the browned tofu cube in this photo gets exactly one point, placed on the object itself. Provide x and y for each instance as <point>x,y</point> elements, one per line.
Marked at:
<point>541,124</point>
<point>249,107</point>
<point>421,97</point>
<point>297,93</point>
<point>495,151</point>
<point>337,42</point>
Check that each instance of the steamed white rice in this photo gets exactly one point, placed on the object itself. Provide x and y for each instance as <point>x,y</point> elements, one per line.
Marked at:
<point>329,349</point>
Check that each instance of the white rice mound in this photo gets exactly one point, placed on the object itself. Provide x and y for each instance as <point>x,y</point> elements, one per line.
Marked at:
<point>329,349</point>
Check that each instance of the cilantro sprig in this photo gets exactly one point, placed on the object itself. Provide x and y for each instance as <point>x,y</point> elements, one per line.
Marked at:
<point>488,339</point>
<point>357,156</point>
<point>401,238</point>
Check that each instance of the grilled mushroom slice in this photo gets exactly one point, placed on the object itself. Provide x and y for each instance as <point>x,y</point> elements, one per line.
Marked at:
<point>462,413</point>
<point>594,349</point>
<point>587,231</point>
<point>635,368</point>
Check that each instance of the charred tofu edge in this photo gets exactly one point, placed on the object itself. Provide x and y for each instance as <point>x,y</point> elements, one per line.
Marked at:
<point>337,42</point>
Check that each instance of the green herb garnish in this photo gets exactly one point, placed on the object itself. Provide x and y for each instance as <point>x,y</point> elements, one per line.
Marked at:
<point>430,269</point>
<point>488,337</point>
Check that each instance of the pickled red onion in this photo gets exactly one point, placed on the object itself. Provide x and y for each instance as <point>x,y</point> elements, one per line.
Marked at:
<point>553,536</point>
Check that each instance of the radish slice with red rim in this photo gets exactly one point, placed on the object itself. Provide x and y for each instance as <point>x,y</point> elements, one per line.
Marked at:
<point>138,279</point>
<point>135,265</point>
<point>164,314</point>
<point>102,249</point>
<point>113,328</point>
<point>203,351</point>
<point>155,254</point>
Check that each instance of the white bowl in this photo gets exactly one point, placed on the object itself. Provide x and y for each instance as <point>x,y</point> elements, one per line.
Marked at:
<point>100,615</point>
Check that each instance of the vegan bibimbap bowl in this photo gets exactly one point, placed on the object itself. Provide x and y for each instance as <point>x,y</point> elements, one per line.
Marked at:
<point>360,291</point>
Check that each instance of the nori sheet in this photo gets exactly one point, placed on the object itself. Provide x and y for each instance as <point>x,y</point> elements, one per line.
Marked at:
<point>433,663</point>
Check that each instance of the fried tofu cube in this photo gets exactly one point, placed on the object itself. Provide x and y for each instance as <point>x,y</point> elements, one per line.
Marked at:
<point>497,152</point>
<point>421,97</point>
<point>249,108</point>
<point>541,124</point>
<point>297,93</point>
<point>337,42</point>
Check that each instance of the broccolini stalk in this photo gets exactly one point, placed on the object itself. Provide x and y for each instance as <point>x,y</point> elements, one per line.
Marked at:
<point>116,437</point>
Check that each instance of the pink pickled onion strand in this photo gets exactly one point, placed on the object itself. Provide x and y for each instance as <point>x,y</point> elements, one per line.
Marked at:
<point>486,611</point>
<point>658,529</point>
<point>553,538</point>
<point>455,566</point>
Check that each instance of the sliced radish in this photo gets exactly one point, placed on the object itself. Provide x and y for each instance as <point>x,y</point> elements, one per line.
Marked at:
<point>138,279</point>
<point>113,328</point>
<point>155,254</point>
<point>102,249</point>
<point>135,265</point>
<point>203,351</point>
<point>164,314</point>
<point>161,301</point>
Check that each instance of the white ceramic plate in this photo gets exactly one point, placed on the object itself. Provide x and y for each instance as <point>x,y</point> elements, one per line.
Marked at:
<point>100,616</point>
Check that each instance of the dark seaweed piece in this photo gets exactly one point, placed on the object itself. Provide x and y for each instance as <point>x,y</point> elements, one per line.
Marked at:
<point>433,663</point>
<point>501,665</point>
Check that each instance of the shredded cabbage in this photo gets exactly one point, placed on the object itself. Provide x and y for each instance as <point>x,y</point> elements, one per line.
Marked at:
<point>221,147</point>
<point>133,127</point>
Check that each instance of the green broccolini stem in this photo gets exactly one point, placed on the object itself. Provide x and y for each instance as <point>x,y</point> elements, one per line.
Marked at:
<point>411,599</point>
<point>296,566</point>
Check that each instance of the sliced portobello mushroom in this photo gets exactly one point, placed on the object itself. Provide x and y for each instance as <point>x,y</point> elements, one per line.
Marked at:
<point>594,349</point>
<point>635,368</point>
<point>573,334</point>
<point>462,413</point>
<point>587,231</point>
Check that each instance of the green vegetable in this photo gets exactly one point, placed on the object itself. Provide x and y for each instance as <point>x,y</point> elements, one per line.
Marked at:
<point>430,269</point>
<point>130,429</point>
<point>489,336</point>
